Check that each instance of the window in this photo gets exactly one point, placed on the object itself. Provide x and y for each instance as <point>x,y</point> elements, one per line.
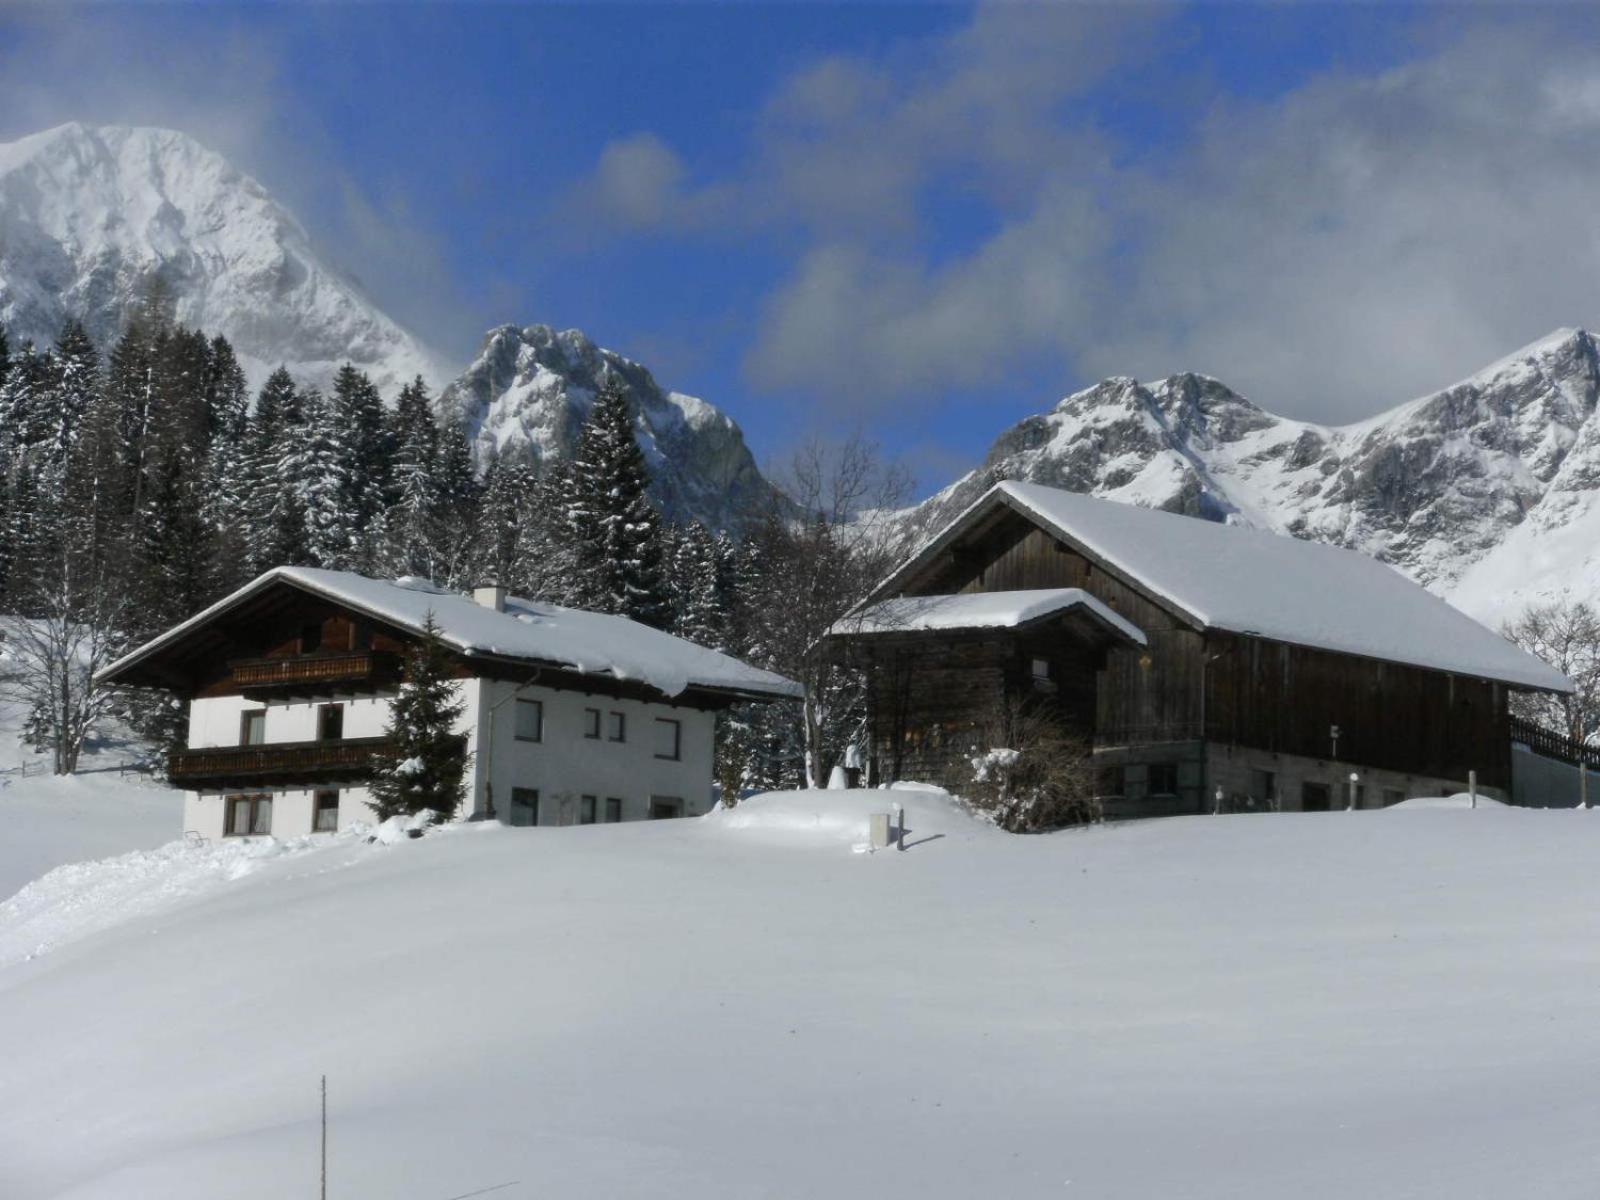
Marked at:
<point>361,636</point>
<point>1041,668</point>
<point>1315,797</point>
<point>253,727</point>
<point>617,728</point>
<point>311,637</point>
<point>586,810</point>
<point>325,813</point>
<point>591,723</point>
<point>613,810</point>
<point>1393,796</point>
<point>669,738</point>
<point>1263,785</point>
<point>530,721</point>
<point>330,723</point>
<point>665,807</point>
<point>524,806</point>
<point>247,815</point>
<point>1163,779</point>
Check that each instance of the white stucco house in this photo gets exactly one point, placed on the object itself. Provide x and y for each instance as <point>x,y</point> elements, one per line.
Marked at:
<point>571,717</point>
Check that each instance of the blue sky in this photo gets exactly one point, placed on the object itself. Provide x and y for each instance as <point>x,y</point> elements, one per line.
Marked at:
<point>924,220</point>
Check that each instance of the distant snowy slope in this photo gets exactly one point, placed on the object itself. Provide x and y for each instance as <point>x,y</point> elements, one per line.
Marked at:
<point>531,388</point>
<point>89,214</point>
<point>1501,469</point>
<point>1318,1005</point>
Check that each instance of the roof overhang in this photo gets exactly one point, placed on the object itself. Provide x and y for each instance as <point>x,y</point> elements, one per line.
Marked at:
<point>980,612</point>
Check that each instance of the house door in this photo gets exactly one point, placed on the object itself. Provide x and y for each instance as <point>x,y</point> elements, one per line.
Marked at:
<point>1315,797</point>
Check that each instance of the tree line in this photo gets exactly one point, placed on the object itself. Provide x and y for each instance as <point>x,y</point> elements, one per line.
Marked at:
<point>139,486</point>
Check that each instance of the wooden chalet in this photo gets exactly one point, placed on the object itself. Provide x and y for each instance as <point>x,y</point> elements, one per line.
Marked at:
<point>1208,666</point>
<point>569,717</point>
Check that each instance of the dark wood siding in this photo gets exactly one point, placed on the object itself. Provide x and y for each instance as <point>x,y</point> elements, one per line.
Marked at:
<point>1285,698</point>
<point>1190,682</point>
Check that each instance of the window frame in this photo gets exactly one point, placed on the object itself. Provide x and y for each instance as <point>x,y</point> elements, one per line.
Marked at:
<point>244,726</point>
<point>519,795</point>
<point>538,721</point>
<point>588,810</point>
<point>324,711</point>
<point>317,809</point>
<point>591,724</point>
<point>254,802</point>
<point>674,803</point>
<point>677,739</point>
<point>613,810</point>
<point>617,727</point>
<point>1166,771</point>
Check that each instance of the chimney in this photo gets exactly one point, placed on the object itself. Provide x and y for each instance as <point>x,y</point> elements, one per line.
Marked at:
<point>491,595</point>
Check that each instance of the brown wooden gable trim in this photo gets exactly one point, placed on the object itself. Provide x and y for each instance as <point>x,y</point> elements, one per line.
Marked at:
<point>977,522</point>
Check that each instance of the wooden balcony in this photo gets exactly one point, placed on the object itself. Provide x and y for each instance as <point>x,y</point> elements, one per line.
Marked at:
<point>275,764</point>
<point>315,674</point>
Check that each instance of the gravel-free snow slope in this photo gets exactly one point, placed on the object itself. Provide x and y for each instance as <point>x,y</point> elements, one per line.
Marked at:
<point>1375,1004</point>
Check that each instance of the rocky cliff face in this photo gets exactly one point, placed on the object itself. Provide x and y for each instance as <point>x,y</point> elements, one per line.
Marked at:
<point>90,215</point>
<point>1486,491</point>
<point>531,388</point>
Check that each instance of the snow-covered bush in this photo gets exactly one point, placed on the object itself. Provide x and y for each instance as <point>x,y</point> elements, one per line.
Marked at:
<point>1029,772</point>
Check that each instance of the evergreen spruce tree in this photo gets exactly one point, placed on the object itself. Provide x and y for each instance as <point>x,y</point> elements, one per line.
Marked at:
<point>699,589</point>
<point>73,383</point>
<point>510,484</point>
<point>367,451</point>
<point>25,402</point>
<point>277,516</point>
<point>619,567</point>
<point>316,467</point>
<point>415,506</point>
<point>426,770</point>
<point>544,562</point>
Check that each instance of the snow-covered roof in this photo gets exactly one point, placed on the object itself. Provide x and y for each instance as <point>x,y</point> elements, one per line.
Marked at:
<point>1249,581</point>
<point>587,642</point>
<point>980,610</point>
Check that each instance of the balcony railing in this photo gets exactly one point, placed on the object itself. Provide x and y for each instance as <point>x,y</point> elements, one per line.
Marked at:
<point>282,762</point>
<point>315,672</point>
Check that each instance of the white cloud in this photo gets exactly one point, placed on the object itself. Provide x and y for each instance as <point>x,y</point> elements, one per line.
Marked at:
<point>1364,238</point>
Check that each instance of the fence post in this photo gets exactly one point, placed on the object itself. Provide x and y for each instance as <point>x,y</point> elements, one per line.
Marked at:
<point>1472,786</point>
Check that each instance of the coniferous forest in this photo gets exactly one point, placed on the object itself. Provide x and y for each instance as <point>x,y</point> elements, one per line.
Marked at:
<point>143,482</point>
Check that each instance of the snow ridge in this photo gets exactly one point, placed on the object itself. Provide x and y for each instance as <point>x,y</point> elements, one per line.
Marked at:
<point>1487,492</point>
<point>530,389</point>
<point>92,214</point>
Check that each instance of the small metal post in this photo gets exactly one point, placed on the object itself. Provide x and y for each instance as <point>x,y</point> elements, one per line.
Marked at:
<point>1472,787</point>
<point>1216,808</point>
<point>1350,806</point>
<point>324,1137</point>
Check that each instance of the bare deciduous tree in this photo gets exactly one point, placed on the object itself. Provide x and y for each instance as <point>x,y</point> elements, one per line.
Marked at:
<point>834,539</point>
<point>1029,771</point>
<point>53,649</point>
<point>1565,634</point>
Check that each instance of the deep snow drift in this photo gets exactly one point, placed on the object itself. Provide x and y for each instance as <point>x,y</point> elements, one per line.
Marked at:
<point>1318,1005</point>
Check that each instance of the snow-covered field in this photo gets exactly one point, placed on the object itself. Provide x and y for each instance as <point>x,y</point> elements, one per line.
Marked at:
<point>1383,1004</point>
<point>45,821</point>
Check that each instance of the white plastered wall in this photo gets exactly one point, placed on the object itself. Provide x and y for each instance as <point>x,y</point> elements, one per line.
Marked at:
<point>565,766</point>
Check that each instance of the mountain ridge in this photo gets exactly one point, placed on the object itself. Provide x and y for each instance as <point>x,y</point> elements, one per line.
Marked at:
<point>1433,486</point>
<point>92,214</point>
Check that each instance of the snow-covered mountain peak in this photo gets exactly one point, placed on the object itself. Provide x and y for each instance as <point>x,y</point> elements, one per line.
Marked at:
<point>1498,470</point>
<point>530,388</point>
<point>91,215</point>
